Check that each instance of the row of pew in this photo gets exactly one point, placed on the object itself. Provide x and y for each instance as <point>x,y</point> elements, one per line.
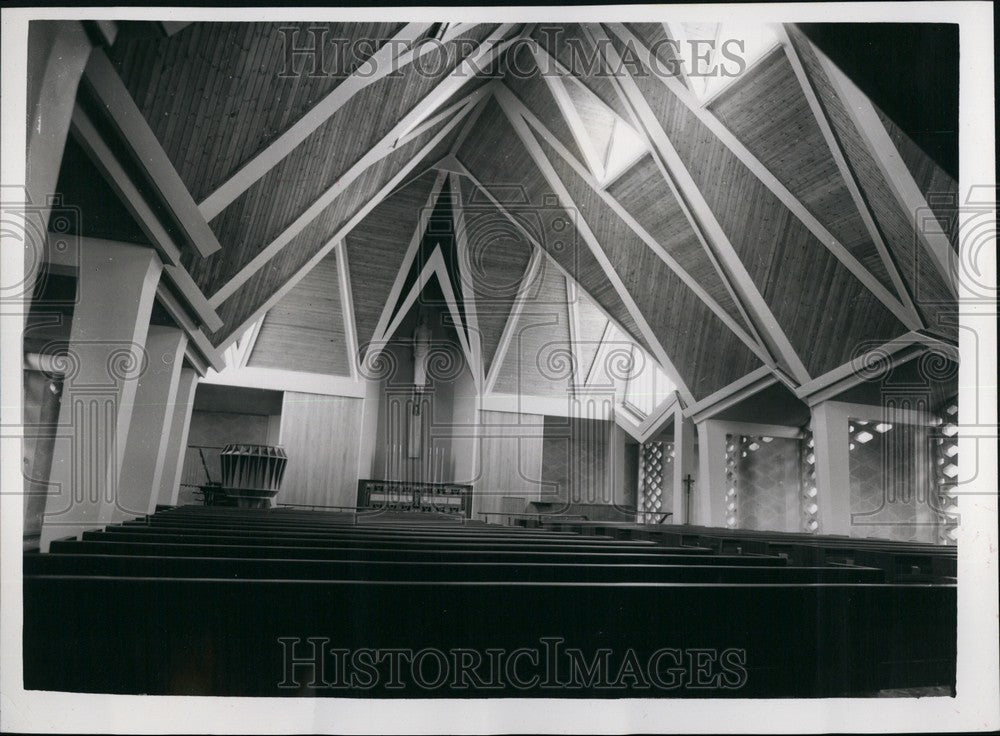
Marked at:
<point>899,561</point>
<point>226,601</point>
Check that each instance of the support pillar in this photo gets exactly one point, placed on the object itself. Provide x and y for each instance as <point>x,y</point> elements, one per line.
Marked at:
<point>833,468</point>
<point>180,424</point>
<point>709,499</point>
<point>150,429</point>
<point>57,55</point>
<point>685,464</point>
<point>106,356</point>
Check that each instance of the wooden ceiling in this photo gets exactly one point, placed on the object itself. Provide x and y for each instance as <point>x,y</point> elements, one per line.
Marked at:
<point>764,231</point>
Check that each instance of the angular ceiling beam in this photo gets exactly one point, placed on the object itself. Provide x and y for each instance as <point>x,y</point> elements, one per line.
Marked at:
<point>519,108</point>
<point>537,248</point>
<point>377,66</point>
<point>347,309</point>
<point>382,149</point>
<point>388,309</point>
<point>720,271</point>
<point>358,216</point>
<point>865,367</point>
<point>434,266</point>
<point>771,182</point>
<point>101,154</point>
<point>135,135</point>
<point>866,119</point>
<point>507,336</point>
<point>847,174</point>
<point>382,62</point>
<point>702,218</point>
<point>730,395</point>
<point>468,295</point>
<point>566,201</point>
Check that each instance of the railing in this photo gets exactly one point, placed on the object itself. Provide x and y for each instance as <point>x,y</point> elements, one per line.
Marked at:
<point>202,465</point>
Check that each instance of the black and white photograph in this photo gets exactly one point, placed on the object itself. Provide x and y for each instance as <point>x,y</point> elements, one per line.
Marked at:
<point>613,369</point>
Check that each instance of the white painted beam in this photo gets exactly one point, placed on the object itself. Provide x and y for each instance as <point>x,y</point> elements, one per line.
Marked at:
<point>674,170</point>
<point>769,180</point>
<point>135,134</point>
<point>268,252</point>
<point>524,133</point>
<point>689,216</point>
<point>346,228</point>
<point>847,174</point>
<point>383,62</point>
<point>866,119</point>
<point>633,224</point>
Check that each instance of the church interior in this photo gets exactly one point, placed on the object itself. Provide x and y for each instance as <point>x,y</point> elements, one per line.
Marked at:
<point>457,337</point>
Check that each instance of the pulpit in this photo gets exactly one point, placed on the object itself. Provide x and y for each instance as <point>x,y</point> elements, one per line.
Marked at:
<point>251,474</point>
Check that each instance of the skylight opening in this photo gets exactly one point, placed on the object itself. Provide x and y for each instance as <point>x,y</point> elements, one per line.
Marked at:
<point>609,144</point>
<point>717,54</point>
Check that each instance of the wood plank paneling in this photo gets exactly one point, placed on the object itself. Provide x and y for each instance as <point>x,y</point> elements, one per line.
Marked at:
<point>497,254</point>
<point>930,294</point>
<point>267,281</point>
<point>320,471</point>
<point>497,158</point>
<point>217,93</point>
<point>827,314</point>
<point>590,329</point>
<point>645,195</point>
<point>305,330</point>
<point>375,251</point>
<point>568,43</point>
<point>538,358</point>
<point>575,460</point>
<point>510,458</point>
<point>276,200</point>
<point>705,352</point>
<point>769,114</point>
<point>525,80</point>
<point>938,188</point>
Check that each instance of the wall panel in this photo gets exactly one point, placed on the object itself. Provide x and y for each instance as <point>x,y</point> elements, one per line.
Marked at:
<point>322,436</point>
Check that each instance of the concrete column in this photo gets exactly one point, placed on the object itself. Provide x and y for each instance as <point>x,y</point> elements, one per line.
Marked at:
<point>180,424</point>
<point>105,358</point>
<point>833,469</point>
<point>709,500</point>
<point>149,432</point>
<point>685,463</point>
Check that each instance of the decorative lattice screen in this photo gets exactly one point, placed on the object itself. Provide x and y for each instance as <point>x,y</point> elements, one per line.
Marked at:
<point>891,487</point>
<point>655,463</point>
<point>763,483</point>
<point>944,445</point>
<point>808,492</point>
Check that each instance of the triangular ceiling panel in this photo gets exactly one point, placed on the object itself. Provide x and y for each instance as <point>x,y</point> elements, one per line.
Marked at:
<point>375,252</point>
<point>533,90</point>
<point>707,358</point>
<point>509,173</point>
<point>439,236</point>
<point>645,195</point>
<point>571,47</point>
<point>207,73</point>
<point>597,120</point>
<point>496,257</point>
<point>304,331</point>
<point>788,141</point>
<point>538,357</point>
<point>591,324</point>
<point>931,295</point>
<point>779,253</point>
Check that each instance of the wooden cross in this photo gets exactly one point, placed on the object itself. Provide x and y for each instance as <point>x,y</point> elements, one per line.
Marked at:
<point>688,481</point>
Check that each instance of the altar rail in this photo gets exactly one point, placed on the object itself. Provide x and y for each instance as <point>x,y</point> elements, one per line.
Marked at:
<point>394,495</point>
